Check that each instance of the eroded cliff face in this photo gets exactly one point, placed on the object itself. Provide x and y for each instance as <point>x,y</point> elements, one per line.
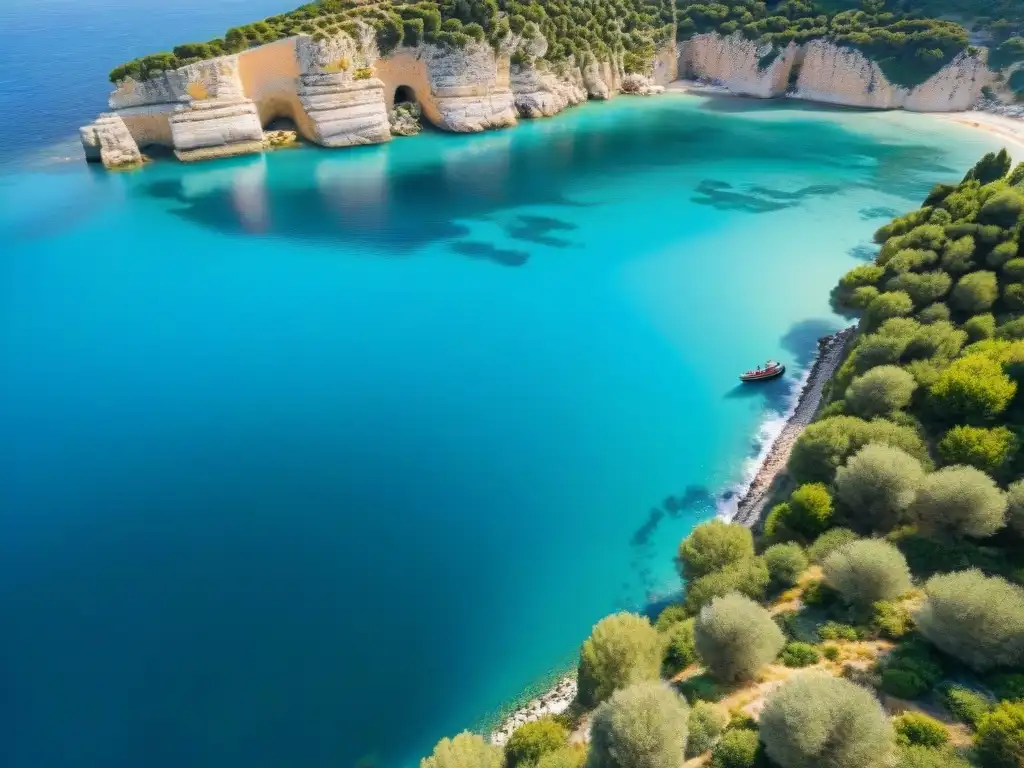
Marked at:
<point>836,75</point>
<point>470,88</point>
<point>741,65</point>
<point>343,105</point>
<point>108,141</point>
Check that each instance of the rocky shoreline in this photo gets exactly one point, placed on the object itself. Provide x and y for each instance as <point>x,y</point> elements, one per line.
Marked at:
<point>555,701</point>
<point>754,499</point>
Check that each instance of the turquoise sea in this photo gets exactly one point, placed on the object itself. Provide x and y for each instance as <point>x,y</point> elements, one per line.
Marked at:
<point>310,459</point>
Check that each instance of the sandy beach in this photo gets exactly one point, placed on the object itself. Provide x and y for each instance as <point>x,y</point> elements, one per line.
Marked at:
<point>1009,129</point>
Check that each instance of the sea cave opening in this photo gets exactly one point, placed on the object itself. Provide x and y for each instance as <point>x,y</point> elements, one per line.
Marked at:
<point>404,94</point>
<point>406,113</point>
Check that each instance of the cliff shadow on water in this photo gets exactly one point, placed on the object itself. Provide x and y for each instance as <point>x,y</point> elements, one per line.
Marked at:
<point>415,192</point>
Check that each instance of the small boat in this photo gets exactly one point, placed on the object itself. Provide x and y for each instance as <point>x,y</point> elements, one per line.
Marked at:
<point>770,370</point>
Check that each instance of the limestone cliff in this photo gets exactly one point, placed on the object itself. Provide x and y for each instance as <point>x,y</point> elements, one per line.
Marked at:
<point>538,89</point>
<point>108,141</point>
<point>470,88</point>
<point>743,66</point>
<point>837,75</point>
<point>342,101</point>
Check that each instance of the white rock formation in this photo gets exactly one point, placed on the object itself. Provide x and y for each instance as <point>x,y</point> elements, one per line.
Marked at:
<point>603,79</point>
<point>837,75</point>
<point>343,111</point>
<point>470,88</point>
<point>640,85</point>
<point>735,63</point>
<point>553,702</point>
<point>108,141</point>
<point>542,93</point>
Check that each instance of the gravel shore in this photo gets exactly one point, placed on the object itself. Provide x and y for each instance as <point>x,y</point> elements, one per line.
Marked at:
<point>756,496</point>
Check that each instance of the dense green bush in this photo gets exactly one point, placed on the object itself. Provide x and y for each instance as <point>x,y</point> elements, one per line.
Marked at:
<point>917,729</point>
<point>566,757</point>
<point>642,726</point>
<point>749,578</point>
<point>707,723</point>
<point>713,546</point>
<point>735,637</point>
<point>826,444</point>
<point>877,486</point>
<point>959,501</point>
<point>966,705</point>
<point>785,563</point>
<point>924,288</point>
<point>818,720</point>
<point>975,292</point>
<point>622,649</point>
<point>680,651</point>
<point>980,327</point>
<point>532,740</point>
<point>909,671</point>
<point>1015,512</point>
<point>1000,740</point>
<point>799,655</point>
<point>1008,686</point>
<point>867,571</point>
<point>738,748</point>
<point>880,391</point>
<point>467,750</point>
<point>890,620</point>
<point>670,614</point>
<point>924,757</point>
<point>934,313</point>
<point>975,618</point>
<point>828,543</point>
<point>972,388</point>
<point>887,305</point>
<point>986,449</point>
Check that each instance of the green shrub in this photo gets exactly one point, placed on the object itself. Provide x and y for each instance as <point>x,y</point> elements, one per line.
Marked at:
<point>880,391</point>
<point>467,750</point>
<point>1011,330</point>
<point>903,683</point>
<point>889,304</point>
<point>958,257</point>
<point>890,620</point>
<point>925,757</point>
<point>707,723</point>
<point>532,740</point>
<point>817,720</point>
<point>826,444</point>
<point>916,729</point>
<point>833,630</point>
<point>713,546</point>
<point>786,562</point>
<point>1015,509</point>
<point>1001,254</point>
<point>972,388</point>
<point>959,501</point>
<point>828,543</point>
<point>799,655</point>
<point>878,484</point>
<point>867,571</point>
<point>966,705</point>
<point>738,748</point>
<point>922,287</point>
<point>735,637</point>
<point>1002,209</point>
<point>622,649</point>
<point>910,670</point>
<point>975,618</point>
<point>934,313</point>
<point>670,614</point>
<point>680,651</point>
<point>993,166</point>
<point>830,652</point>
<point>1000,739</point>
<point>566,757</point>
<point>980,327</point>
<point>975,292</point>
<point>986,449</point>
<point>749,578</point>
<point>1013,296</point>
<point>810,510</point>
<point>1013,270</point>
<point>1009,686</point>
<point>642,726</point>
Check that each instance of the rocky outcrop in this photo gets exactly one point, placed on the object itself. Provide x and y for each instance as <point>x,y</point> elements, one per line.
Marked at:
<point>603,79</point>
<point>640,85</point>
<point>342,100</point>
<point>837,75</point>
<point>108,141</point>
<point>743,66</point>
<point>553,702</point>
<point>470,88</point>
<point>542,93</point>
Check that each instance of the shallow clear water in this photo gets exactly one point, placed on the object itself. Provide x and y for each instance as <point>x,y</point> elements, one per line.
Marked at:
<point>311,459</point>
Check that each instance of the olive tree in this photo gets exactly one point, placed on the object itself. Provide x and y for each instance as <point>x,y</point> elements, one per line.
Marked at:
<point>642,726</point>
<point>1015,499</point>
<point>880,391</point>
<point>975,292</point>
<point>978,619</point>
<point>959,501</point>
<point>467,750</point>
<point>713,546</point>
<point>622,649</point>
<point>735,637</point>
<point>878,484</point>
<point>532,740</point>
<point>707,723</point>
<point>867,571</point>
<point>986,449</point>
<point>816,720</point>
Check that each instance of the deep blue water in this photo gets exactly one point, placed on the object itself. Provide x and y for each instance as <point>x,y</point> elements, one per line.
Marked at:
<point>313,458</point>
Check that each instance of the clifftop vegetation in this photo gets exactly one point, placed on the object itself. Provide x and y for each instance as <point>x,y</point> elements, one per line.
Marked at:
<point>908,46</point>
